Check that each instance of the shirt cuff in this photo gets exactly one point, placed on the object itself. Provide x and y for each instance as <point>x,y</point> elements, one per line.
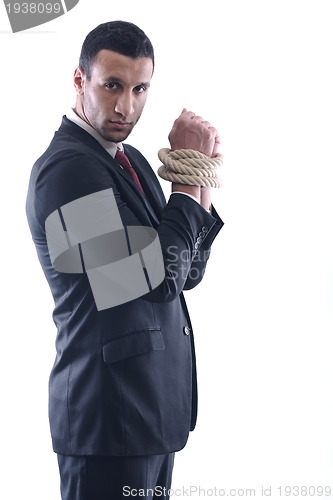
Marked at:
<point>190,196</point>
<point>186,194</point>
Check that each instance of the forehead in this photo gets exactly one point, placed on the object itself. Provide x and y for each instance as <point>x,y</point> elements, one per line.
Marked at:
<point>109,64</point>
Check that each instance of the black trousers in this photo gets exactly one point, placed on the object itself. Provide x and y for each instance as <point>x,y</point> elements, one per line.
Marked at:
<point>115,478</point>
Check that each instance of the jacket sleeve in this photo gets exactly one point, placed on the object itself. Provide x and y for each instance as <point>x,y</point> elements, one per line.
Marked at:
<point>201,254</point>
<point>186,233</point>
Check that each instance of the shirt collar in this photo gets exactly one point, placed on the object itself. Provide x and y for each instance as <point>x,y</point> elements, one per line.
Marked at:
<point>110,147</point>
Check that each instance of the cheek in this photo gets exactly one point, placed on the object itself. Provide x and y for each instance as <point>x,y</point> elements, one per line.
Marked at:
<point>98,100</point>
<point>90,102</point>
<point>140,106</point>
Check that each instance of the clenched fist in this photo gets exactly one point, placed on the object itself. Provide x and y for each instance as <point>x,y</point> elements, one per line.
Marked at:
<point>190,131</point>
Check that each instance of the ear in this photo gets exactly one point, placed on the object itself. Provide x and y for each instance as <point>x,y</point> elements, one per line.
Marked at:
<point>79,80</point>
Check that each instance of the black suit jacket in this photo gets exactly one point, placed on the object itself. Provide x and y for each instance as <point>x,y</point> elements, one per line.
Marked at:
<point>124,378</point>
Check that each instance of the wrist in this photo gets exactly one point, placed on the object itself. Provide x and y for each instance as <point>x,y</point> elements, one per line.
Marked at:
<point>205,199</point>
<point>185,188</point>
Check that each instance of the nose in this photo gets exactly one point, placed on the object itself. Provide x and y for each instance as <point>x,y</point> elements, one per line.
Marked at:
<point>124,104</point>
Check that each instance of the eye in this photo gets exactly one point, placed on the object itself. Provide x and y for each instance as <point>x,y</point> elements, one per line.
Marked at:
<point>111,85</point>
<point>140,89</point>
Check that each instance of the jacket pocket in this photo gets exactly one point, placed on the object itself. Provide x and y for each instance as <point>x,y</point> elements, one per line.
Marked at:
<point>133,344</point>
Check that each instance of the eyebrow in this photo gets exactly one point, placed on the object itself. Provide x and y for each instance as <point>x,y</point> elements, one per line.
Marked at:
<point>119,80</point>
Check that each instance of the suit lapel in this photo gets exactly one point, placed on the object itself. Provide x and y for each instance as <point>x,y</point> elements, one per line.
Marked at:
<point>154,195</point>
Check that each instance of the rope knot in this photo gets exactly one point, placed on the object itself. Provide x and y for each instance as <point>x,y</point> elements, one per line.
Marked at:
<point>187,166</point>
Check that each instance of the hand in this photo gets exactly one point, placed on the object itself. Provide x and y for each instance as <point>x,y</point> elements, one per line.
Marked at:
<point>190,131</point>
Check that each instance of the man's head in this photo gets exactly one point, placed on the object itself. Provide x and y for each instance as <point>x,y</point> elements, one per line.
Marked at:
<point>112,79</point>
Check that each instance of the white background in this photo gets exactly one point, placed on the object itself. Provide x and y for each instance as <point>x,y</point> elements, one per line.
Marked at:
<point>261,72</point>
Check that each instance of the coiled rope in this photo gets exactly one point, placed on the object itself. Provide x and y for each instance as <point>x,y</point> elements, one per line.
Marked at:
<point>187,166</point>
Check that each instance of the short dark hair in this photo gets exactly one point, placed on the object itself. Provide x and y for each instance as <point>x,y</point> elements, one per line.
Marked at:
<point>119,36</point>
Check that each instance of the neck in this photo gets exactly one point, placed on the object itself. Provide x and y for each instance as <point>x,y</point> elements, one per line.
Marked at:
<point>79,110</point>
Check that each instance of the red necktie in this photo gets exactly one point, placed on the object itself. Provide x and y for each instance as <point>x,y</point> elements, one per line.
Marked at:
<point>122,160</point>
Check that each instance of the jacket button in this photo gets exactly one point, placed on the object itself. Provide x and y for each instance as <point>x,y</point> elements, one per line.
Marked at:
<point>204,229</point>
<point>187,330</point>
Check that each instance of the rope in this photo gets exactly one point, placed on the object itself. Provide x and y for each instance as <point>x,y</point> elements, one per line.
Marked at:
<point>187,166</point>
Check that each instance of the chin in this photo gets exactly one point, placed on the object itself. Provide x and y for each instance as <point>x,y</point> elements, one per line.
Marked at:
<point>115,136</point>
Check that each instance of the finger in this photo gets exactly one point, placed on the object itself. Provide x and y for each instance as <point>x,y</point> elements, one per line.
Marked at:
<point>190,114</point>
<point>198,118</point>
<point>214,132</point>
<point>185,114</point>
<point>207,124</point>
<point>216,147</point>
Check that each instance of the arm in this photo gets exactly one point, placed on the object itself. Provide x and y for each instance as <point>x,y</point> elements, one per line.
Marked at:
<point>187,230</point>
<point>186,233</point>
<point>192,132</point>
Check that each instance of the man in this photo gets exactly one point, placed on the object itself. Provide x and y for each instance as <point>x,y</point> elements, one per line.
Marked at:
<point>123,385</point>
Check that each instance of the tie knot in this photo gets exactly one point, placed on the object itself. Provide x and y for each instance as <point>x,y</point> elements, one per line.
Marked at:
<point>122,159</point>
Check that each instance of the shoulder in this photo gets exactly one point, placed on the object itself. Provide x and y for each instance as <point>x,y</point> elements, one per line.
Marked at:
<point>73,152</point>
<point>68,170</point>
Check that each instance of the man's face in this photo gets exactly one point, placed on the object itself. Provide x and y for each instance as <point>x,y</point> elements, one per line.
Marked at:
<point>113,99</point>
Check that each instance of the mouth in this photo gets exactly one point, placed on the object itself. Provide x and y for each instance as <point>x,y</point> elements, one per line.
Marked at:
<point>120,125</point>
